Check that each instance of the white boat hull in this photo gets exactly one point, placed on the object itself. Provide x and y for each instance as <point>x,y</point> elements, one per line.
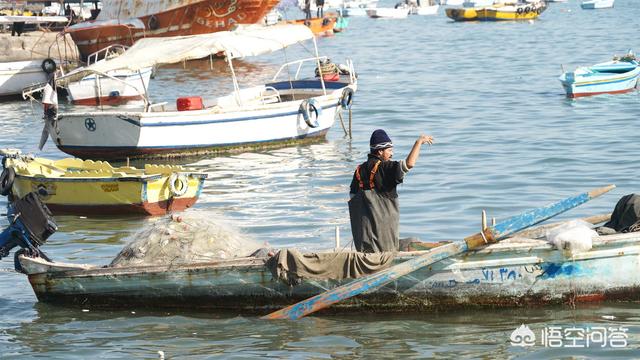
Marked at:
<point>597,4</point>
<point>96,90</point>
<point>17,75</point>
<point>427,10</point>
<point>388,13</point>
<point>117,135</point>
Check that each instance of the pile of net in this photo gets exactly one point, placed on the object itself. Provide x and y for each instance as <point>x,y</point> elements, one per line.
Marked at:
<point>193,236</point>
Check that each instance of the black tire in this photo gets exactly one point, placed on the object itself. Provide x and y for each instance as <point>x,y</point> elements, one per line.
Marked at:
<point>153,23</point>
<point>48,66</point>
<point>347,98</point>
<point>6,181</point>
<point>519,11</point>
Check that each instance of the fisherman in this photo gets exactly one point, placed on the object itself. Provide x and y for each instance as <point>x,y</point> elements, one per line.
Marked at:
<point>373,207</point>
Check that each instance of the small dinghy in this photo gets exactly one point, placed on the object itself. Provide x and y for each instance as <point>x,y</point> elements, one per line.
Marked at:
<point>613,77</point>
<point>75,186</point>
<point>596,4</point>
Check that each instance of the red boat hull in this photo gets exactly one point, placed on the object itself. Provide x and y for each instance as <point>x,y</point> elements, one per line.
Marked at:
<point>200,18</point>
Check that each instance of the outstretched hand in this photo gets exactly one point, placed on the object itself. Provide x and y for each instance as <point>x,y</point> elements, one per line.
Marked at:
<point>425,139</point>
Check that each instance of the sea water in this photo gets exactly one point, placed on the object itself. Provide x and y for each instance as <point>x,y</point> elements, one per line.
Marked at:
<point>506,140</point>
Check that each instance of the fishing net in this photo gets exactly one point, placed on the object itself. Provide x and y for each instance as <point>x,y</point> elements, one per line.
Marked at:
<point>193,236</point>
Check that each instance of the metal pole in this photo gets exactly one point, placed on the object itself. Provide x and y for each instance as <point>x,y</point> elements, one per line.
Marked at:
<point>236,87</point>
<point>315,47</point>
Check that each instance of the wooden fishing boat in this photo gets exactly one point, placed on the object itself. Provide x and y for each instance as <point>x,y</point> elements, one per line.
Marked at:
<point>498,12</point>
<point>613,77</point>
<point>124,22</point>
<point>82,187</point>
<point>516,272</point>
<point>481,272</point>
<point>289,109</point>
<point>597,4</point>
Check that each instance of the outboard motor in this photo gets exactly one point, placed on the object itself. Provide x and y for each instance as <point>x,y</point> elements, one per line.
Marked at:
<point>30,224</point>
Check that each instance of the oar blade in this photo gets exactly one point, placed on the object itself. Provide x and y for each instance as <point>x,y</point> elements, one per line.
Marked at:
<point>538,215</point>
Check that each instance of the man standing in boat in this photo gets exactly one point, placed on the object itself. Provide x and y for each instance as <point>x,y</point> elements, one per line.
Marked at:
<point>373,207</point>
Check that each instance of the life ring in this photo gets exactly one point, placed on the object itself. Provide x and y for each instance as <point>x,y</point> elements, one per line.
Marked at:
<point>48,65</point>
<point>519,11</point>
<point>153,22</point>
<point>178,184</point>
<point>310,112</point>
<point>346,99</point>
<point>6,181</point>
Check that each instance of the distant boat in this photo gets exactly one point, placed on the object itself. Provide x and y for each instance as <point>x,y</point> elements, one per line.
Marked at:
<point>357,7</point>
<point>319,26</point>
<point>612,77</point>
<point>498,12</point>
<point>596,4</point>
<point>121,23</point>
<point>426,7</point>
<point>389,13</point>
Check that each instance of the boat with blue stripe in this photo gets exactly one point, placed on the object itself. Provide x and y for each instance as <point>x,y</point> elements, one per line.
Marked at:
<point>613,77</point>
<point>297,105</point>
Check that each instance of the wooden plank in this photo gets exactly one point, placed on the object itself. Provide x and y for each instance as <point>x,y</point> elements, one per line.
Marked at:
<point>488,235</point>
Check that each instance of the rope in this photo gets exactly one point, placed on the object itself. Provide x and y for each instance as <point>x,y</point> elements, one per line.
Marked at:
<point>327,68</point>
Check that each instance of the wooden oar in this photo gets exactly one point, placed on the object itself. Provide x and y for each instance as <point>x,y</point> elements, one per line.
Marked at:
<point>487,235</point>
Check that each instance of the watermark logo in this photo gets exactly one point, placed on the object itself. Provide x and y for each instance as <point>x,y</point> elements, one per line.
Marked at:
<point>523,336</point>
<point>572,337</point>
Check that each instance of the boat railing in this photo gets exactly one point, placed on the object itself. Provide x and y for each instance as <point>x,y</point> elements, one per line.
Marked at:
<point>299,64</point>
<point>152,107</point>
<point>116,49</point>
<point>270,95</point>
<point>145,96</point>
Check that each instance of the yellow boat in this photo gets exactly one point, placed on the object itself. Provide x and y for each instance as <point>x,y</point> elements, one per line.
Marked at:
<point>78,186</point>
<point>498,12</point>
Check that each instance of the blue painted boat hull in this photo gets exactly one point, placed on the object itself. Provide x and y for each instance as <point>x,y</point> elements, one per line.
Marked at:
<point>596,80</point>
<point>515,272</point>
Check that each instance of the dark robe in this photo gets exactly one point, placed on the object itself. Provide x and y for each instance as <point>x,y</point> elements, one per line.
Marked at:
<point>374,211</point>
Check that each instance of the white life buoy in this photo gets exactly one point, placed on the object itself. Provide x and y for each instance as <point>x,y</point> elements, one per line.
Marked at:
<point>178,184</point>
<point>310,112</point>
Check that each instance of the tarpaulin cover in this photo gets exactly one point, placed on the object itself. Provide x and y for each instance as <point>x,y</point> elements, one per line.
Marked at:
<point>249,41</point>
<point>292,267</point>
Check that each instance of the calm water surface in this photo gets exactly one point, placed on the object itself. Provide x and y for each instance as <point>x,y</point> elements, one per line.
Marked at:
<point>506,140</point>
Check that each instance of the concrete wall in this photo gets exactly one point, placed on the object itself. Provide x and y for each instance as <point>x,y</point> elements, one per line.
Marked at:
<point>37,45</point>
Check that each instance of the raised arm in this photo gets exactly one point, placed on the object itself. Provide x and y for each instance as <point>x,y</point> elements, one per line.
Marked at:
<point>415,150</point>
